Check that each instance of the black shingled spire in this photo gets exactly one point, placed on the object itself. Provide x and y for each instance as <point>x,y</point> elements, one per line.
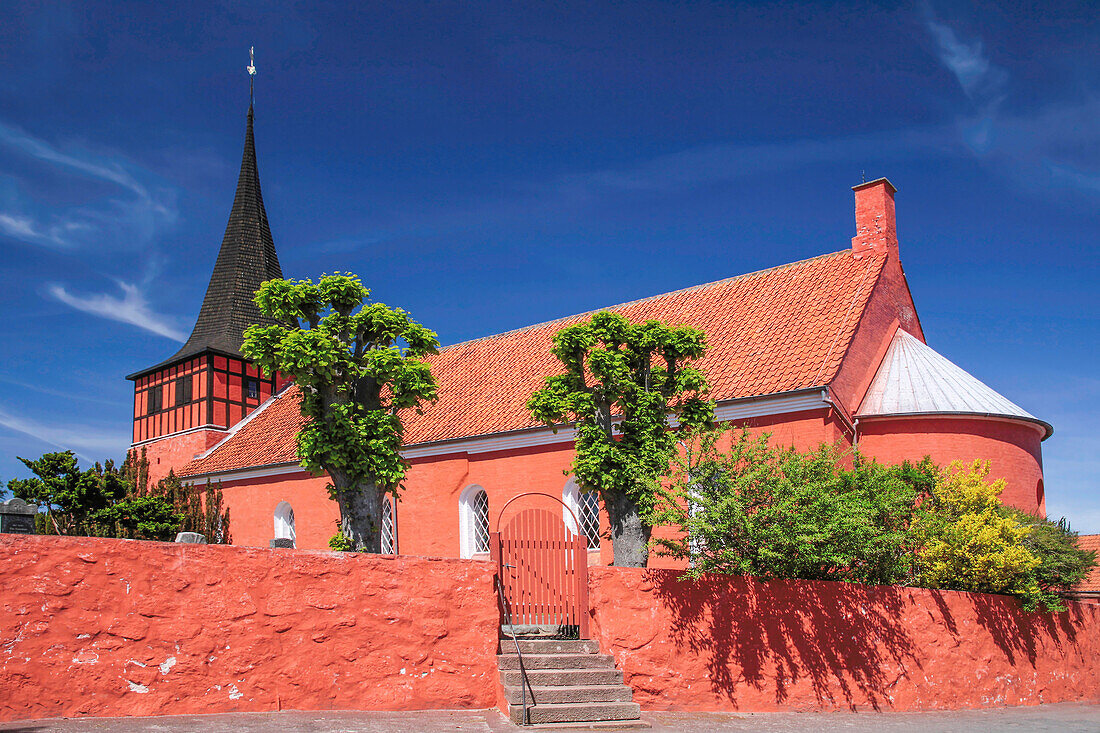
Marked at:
<point>247,258</point>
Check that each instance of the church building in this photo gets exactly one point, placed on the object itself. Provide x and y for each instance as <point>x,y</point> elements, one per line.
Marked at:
<point>829,349</point>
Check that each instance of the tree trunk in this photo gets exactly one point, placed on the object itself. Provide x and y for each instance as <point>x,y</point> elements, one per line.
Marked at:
<point>361,515</point>
<point>629,535</point>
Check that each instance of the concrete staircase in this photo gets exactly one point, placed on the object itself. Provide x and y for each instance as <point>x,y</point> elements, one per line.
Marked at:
<point>572,684</point>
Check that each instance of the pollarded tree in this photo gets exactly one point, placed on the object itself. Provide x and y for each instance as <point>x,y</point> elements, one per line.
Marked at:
<point>622,383</point>
<point>358,365</point>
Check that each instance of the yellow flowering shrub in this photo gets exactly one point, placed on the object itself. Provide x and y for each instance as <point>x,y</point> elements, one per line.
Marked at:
<point>967,542</point>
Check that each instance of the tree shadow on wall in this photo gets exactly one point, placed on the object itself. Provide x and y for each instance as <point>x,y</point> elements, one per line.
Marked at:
<point>848,640</point>
<point>1019,633</point>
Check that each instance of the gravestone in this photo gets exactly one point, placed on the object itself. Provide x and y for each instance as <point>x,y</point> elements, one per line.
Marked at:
<point>17,516</point>
<point>191,538</point>
<point>284,542</point>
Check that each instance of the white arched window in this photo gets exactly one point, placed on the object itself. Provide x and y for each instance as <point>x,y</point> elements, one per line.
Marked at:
<point>284,522</point>
<point>389,527</point>
<point>473,521</point>
<point>586,507</point>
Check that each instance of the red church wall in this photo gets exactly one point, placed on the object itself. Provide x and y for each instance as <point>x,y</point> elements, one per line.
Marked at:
<point>104,627</point>
<point>119,627</point>
<point>174,451</point>
<point>731,643</point>
<point>204,392</point>
<point>428,513</point>
<point>890,306</point>
<point>1011,447</point>
<point>251,503</point>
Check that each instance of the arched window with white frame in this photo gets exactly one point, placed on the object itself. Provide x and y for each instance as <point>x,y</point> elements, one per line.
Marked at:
<point>284,522</point>
<point>473,521</point>
<point>389,526</point>
<point>585,505</point>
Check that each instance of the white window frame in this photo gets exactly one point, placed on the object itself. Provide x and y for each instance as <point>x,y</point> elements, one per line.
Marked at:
<point>389,525</point>
<point>467,519</point>
<point>284,522</point>
<point>571,498</point>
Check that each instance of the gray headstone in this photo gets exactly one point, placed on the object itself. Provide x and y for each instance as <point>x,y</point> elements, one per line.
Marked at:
<point>17,516</point>
<point>284,542</point>
<point>191,538</point>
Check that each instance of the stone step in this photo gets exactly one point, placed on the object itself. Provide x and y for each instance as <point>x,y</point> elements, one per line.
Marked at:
<point>594,725</point>
<point>560,677</point>
<point>557,661</point>
<point>577,712</point>
<point>570,693</point>
<point>550,646</point>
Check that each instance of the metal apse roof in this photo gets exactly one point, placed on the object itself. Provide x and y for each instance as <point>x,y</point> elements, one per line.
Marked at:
<point>914,379</point>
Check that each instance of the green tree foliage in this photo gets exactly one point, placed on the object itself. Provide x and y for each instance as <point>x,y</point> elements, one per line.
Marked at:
<point>755,509</point>
<point>1062,564</point>
<point>96,502</point>
<point>358,365</point>
<point>969,541</point>
<point>642,374</point>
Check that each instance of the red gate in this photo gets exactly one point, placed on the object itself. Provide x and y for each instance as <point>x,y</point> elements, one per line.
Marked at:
<point>543,568</point>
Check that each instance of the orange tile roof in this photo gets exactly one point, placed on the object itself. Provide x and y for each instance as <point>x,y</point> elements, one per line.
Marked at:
<point>1090,584</point>
<point>777,330</point>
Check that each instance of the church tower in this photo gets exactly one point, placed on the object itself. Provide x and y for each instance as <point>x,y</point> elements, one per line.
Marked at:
<point>188,402</point>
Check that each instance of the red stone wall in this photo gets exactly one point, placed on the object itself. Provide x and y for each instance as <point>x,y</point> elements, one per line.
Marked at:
<point>741,645</point>
<point>119,627</point>
<point>1012,448</point>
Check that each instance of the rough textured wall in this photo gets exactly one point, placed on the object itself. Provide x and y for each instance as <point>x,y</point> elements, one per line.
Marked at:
<point>739,644</point>
<point>120,627</point>
<point>1013,449</point>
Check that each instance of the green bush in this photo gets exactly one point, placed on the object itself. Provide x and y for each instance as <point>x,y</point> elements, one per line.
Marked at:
<point>771,512</point>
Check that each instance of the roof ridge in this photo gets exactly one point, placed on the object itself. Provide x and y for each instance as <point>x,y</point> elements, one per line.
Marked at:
<point>562,319</point>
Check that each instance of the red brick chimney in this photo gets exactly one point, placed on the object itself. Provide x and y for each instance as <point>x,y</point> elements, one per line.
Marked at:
<point>876,227</point>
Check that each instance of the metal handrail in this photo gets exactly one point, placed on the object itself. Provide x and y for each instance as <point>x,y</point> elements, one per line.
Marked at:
<point>524,684</point>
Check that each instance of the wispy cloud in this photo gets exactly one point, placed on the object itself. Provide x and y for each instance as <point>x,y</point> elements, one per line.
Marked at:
<point>111,171</point>
<point>89,442</point>
<point>126,211</point>
<point>64,394</point>
<point>1043,149</point>
<point>131,308</point>
<point>983,82</point>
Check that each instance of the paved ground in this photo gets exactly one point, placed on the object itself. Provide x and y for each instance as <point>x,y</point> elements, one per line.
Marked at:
<point>1042,718</point>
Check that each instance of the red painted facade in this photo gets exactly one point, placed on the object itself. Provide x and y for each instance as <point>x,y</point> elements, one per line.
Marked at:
<point>428,514</point>
<point>103,627</point>
<point>1012,448</point>
<point>182,410</point>
<point>208,391</point>
<point>94,627</point>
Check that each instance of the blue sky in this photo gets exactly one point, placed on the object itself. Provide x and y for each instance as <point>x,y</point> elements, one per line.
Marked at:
<point>487,166</point>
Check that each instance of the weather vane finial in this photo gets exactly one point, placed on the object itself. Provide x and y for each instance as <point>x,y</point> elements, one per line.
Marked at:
<point>251,73</point>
